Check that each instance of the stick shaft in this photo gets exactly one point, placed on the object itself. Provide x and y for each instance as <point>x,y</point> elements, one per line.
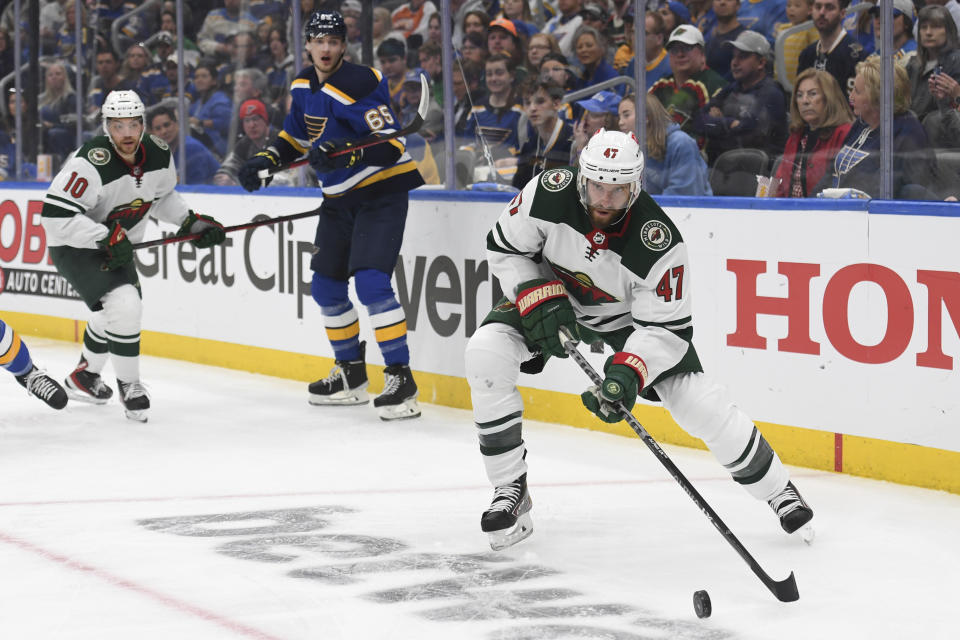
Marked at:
<point>237,227</point>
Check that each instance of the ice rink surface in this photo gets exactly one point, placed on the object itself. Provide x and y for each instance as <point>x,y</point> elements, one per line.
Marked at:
<point>239,511</point>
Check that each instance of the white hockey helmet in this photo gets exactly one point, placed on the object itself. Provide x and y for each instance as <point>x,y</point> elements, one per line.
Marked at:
<point>611,157</point>
<point>122,104</point>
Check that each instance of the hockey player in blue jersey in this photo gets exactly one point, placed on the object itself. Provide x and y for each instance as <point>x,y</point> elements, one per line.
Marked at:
<point>15,358</point>
<point>362,217</point>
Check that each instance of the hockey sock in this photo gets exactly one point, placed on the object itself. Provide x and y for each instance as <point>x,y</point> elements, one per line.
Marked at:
<point>14,355</point>
<point>340,317</point>
<point>95,350</point>
<point>386,315</point>
<point>121,311</point>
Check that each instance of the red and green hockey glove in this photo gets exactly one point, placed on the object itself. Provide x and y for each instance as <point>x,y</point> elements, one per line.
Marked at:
<point>624,377</point>
<point>118,247</point>
<point>544,307</point>
<point>211,231</point>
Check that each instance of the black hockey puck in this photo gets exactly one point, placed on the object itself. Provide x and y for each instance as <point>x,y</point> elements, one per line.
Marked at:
<point>701,604</point>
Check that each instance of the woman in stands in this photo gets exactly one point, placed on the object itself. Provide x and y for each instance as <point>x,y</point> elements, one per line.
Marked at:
<point>58,110</point>
<point>540,45</point>
<point>210,114</point>
<point>673,165</point>
<point>857,164</point>
<point>590,48</point>
<point>935,76</point>
<point>820,120</point>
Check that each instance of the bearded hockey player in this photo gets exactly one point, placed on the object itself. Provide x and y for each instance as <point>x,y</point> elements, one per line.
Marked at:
<point>586,248</point>
<point>95,209</point>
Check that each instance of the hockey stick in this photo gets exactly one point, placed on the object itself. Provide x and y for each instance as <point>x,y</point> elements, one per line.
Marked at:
<point>236,227</point>
<point>370,140</point>
<point>784,590</point>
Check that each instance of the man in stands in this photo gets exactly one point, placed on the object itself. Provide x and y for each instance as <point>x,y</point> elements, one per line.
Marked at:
<point>836,52</point>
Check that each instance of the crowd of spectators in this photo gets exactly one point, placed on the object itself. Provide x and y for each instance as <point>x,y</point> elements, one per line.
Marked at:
<point>713,83</point>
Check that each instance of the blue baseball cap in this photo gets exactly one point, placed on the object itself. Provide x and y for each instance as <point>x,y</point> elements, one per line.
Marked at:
<point>601,102</point>
<point>414,76</point>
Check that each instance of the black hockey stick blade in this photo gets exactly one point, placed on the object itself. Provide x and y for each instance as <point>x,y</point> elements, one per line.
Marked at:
<point>784,590</point>
<point>370,140</point>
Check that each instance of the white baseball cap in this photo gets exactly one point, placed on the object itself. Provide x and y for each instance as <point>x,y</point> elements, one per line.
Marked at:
<point>687,34</point>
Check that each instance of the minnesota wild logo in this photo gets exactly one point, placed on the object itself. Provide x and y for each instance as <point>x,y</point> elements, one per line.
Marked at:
<point>556,179</point>
<point>129,214</point>
<point>98,156</point>
<point>580,286</point>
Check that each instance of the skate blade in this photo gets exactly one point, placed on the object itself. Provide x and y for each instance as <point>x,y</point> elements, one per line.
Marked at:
<point>80,396</point>
<point>504,538</point>
<point>139,415</point>
<point>341,398</point>
<point>403,411</point>
<point>806,533</point>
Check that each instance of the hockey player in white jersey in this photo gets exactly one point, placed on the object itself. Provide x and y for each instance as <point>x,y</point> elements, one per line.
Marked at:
<point>95,208</point>
<point>584,247</point>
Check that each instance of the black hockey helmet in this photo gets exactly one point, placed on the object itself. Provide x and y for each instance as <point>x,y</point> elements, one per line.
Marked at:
<point>325,23</point>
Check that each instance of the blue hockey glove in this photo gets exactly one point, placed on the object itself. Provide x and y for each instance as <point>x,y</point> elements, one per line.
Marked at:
<point>544,308</point>
<point>322,162</point>
<point>118,247</point>
<point>624,377</point>
<point>211,230</point>
<point>247,175</point>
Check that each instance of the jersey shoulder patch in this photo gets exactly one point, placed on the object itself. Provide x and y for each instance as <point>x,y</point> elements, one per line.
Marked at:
<point>652,233</point>
<point>554,180</point>
<point>158,154</point>
<point>99,156</point>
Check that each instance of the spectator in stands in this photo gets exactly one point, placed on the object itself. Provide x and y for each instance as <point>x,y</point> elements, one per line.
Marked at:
<point>66,39</point>
<point>241,48</point>
<point>726,29</point>
<point>476,21</point>
<point>540,45</point>
<point>7,59</point>
<point>434,31</point>
<point>494,118</point>
<point>596,16</point>
<point>268,11</point>
<point>430,56</point>
<point>546,140</point>
<point>251,84</point>
<point>658,62</point>
<point>503,37</point>
<point>162,45</point>
<point>418,144</point>
<point>201,164</point>
<point>836,52</point>
<point>934,75</point>
<point>820,119</point>
<point>751,111</point>
<point>382,27</point>
<point>458,11</point>
<point>107,79</point>
<point>673,163</point>
<point>210,113</point>
<point>763,16</point>
<point>554,67</point>
<point>411,18</point>
<point>474,48</point>
<point>798,12</point>
<point>354,37</point>
<point>58,110</point>
<point>146,79</point>
<point>691,84</point>
<point>392,56</point>
<point>623,48</point>
<point>904,15</point>
<point>591,48</point>
<point>280,67</point>
<point>599,112</point>
<point>857,165</point>
<point>257,134</point>
<point>701,14</point>
<point>518,12</point>
<point>952,6</point>
<point>170,69</point>
<point>564,25</point>
<point>168,23</point>
<point>221,23</point>
<point>674,14</point>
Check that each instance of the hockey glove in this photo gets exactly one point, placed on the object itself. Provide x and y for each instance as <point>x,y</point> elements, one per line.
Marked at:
<point>118,248</point>
<point>544,308</point>
<point>322,162</point>
<point>247,175</point>
<point>211,231</point>
<point>624,377</point>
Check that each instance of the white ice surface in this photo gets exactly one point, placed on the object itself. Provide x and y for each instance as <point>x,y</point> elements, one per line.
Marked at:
<point>372,529</point>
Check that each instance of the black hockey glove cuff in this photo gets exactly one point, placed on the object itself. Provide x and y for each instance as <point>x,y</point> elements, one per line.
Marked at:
<point>211,232</point>
<point>624,377</point>
<point>118,247</point>
<point>322,162</point>
<point>544,307</point>
<point>249,177</point>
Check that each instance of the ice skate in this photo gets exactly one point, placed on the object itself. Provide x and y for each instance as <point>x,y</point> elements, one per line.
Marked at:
<point>39,384</point>
<point>135,400</point>
<point>399,398</point>
<point>507,521</point>
<point>793,511</point>
<point>86,386</point>
<point>346,384</point>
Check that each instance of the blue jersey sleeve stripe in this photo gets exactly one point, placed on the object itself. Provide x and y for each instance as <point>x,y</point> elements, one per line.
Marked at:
<point>296,144</point>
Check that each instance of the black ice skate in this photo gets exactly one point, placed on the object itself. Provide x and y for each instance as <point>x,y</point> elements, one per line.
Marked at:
<point>399,398</point>
<point>39,384</point>
<point>346,384</point>
<point>87,386</point>
<point>507,521</point>
<point>135,400</point>
<point>792,510</point>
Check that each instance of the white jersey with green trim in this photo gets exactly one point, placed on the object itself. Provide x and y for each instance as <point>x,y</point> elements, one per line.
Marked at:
<point>632,275</point>
<point>96,188</point>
